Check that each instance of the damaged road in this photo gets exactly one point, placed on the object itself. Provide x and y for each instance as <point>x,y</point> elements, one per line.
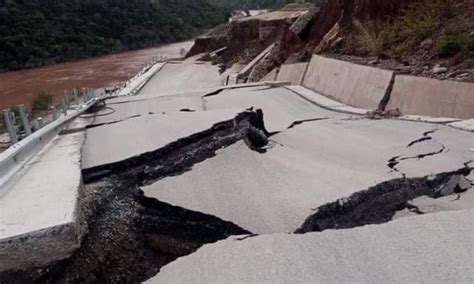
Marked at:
<point>202,179</point>
<point>130,236</point>
<point>380,203</point>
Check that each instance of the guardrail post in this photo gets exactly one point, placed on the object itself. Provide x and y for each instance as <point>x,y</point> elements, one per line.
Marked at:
<point>55,113</point>
<point>64,106</point>
<point>76,99</point>
<point>7,116</point>
<point>66,96</point>
<point>40,122</point>
<point>24,119</point>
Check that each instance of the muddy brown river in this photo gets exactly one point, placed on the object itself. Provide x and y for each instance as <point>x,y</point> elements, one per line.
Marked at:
<point>19,87</point>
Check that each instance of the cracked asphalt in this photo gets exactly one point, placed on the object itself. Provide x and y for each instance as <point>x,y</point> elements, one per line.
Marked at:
<point>314,157</point>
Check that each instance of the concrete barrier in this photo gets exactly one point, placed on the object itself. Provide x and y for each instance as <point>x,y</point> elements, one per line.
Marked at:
<point>272,76</point>
<point>432,97</point>
<point>355,85</point>
<point>293,73</point>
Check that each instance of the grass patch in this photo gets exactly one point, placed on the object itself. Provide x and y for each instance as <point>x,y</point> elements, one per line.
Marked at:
<point>368,38</point>
<point>438,20</point>
<point>41,102</point>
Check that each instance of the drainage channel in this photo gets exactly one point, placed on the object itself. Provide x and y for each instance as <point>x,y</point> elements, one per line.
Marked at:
<point>130,236</point>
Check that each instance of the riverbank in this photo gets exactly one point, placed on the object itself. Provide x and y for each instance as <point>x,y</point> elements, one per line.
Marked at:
<point>19,87</point>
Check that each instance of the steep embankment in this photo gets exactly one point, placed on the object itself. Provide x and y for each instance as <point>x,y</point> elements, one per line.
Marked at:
<point>427,38</point>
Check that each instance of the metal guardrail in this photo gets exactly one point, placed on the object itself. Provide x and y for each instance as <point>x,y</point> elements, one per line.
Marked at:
<point>17,156</point>
<point>21,152</point>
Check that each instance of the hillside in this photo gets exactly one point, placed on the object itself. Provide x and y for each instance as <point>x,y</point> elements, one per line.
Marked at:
<point>419,37</point>
<point>38,32</point>
<point>247,4</point>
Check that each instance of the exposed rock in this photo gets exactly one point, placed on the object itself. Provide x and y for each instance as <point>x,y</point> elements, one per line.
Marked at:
<point>439,70</point>
<point>456,184</point>
<point>427,44</point>
<point>374,61</point>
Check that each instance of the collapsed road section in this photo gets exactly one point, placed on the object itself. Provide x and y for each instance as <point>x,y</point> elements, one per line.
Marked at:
<point>180,184</point>
<point>131,236</point>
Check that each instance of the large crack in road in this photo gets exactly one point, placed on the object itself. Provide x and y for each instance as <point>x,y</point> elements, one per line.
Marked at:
<point>130,236</point>
<point>379,203</point>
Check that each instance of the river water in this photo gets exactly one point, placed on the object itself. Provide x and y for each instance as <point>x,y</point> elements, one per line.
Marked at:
<point>19,87</point>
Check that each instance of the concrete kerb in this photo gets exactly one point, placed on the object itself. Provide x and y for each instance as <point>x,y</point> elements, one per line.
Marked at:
<point>324,102</point>
<point>466,125</point>
<point>143,79</point>
<point>147,79</point>
<point>331,105</point>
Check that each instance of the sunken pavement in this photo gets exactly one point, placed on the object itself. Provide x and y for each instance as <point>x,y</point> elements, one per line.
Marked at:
<point>191,182</point>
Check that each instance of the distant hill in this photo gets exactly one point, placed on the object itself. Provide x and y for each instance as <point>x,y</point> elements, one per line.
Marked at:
<point>248,4</point>
<point>39,32</point>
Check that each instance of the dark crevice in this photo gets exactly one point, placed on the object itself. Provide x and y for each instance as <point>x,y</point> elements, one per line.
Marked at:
<point>379,203</point>
<point>214,93</point>
<point>395,161</point>
<point>187,110</point>
<point>413,208</point>
<point>419,141</point>
<point>425,137</point>
<point>299,122</point>
<point>131,236</point>
<point>246,237</point>
<point>179,156</point>
<point>112,122</point>
<point>388,93</point>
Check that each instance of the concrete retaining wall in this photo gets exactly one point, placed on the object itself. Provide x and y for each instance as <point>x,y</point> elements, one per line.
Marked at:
<point>272,76</point>
<point>352,84</point>
<point>293,73</point>
<point>367,87</point>
<point>432,97</point>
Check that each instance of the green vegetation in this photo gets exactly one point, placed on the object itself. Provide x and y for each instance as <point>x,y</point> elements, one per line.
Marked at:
<point>429,19</point>
<point>368,38</point>
<point>41,102</point>
<point>39,32</point>
<point>436,20</point>
<point>248,4</point>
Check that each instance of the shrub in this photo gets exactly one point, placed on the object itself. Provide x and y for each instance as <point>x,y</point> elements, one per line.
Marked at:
<point>15,110</point>
<point>368,38</point>
<point>419,21</point>
<point>449,45</point>
<point>41,102</point>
